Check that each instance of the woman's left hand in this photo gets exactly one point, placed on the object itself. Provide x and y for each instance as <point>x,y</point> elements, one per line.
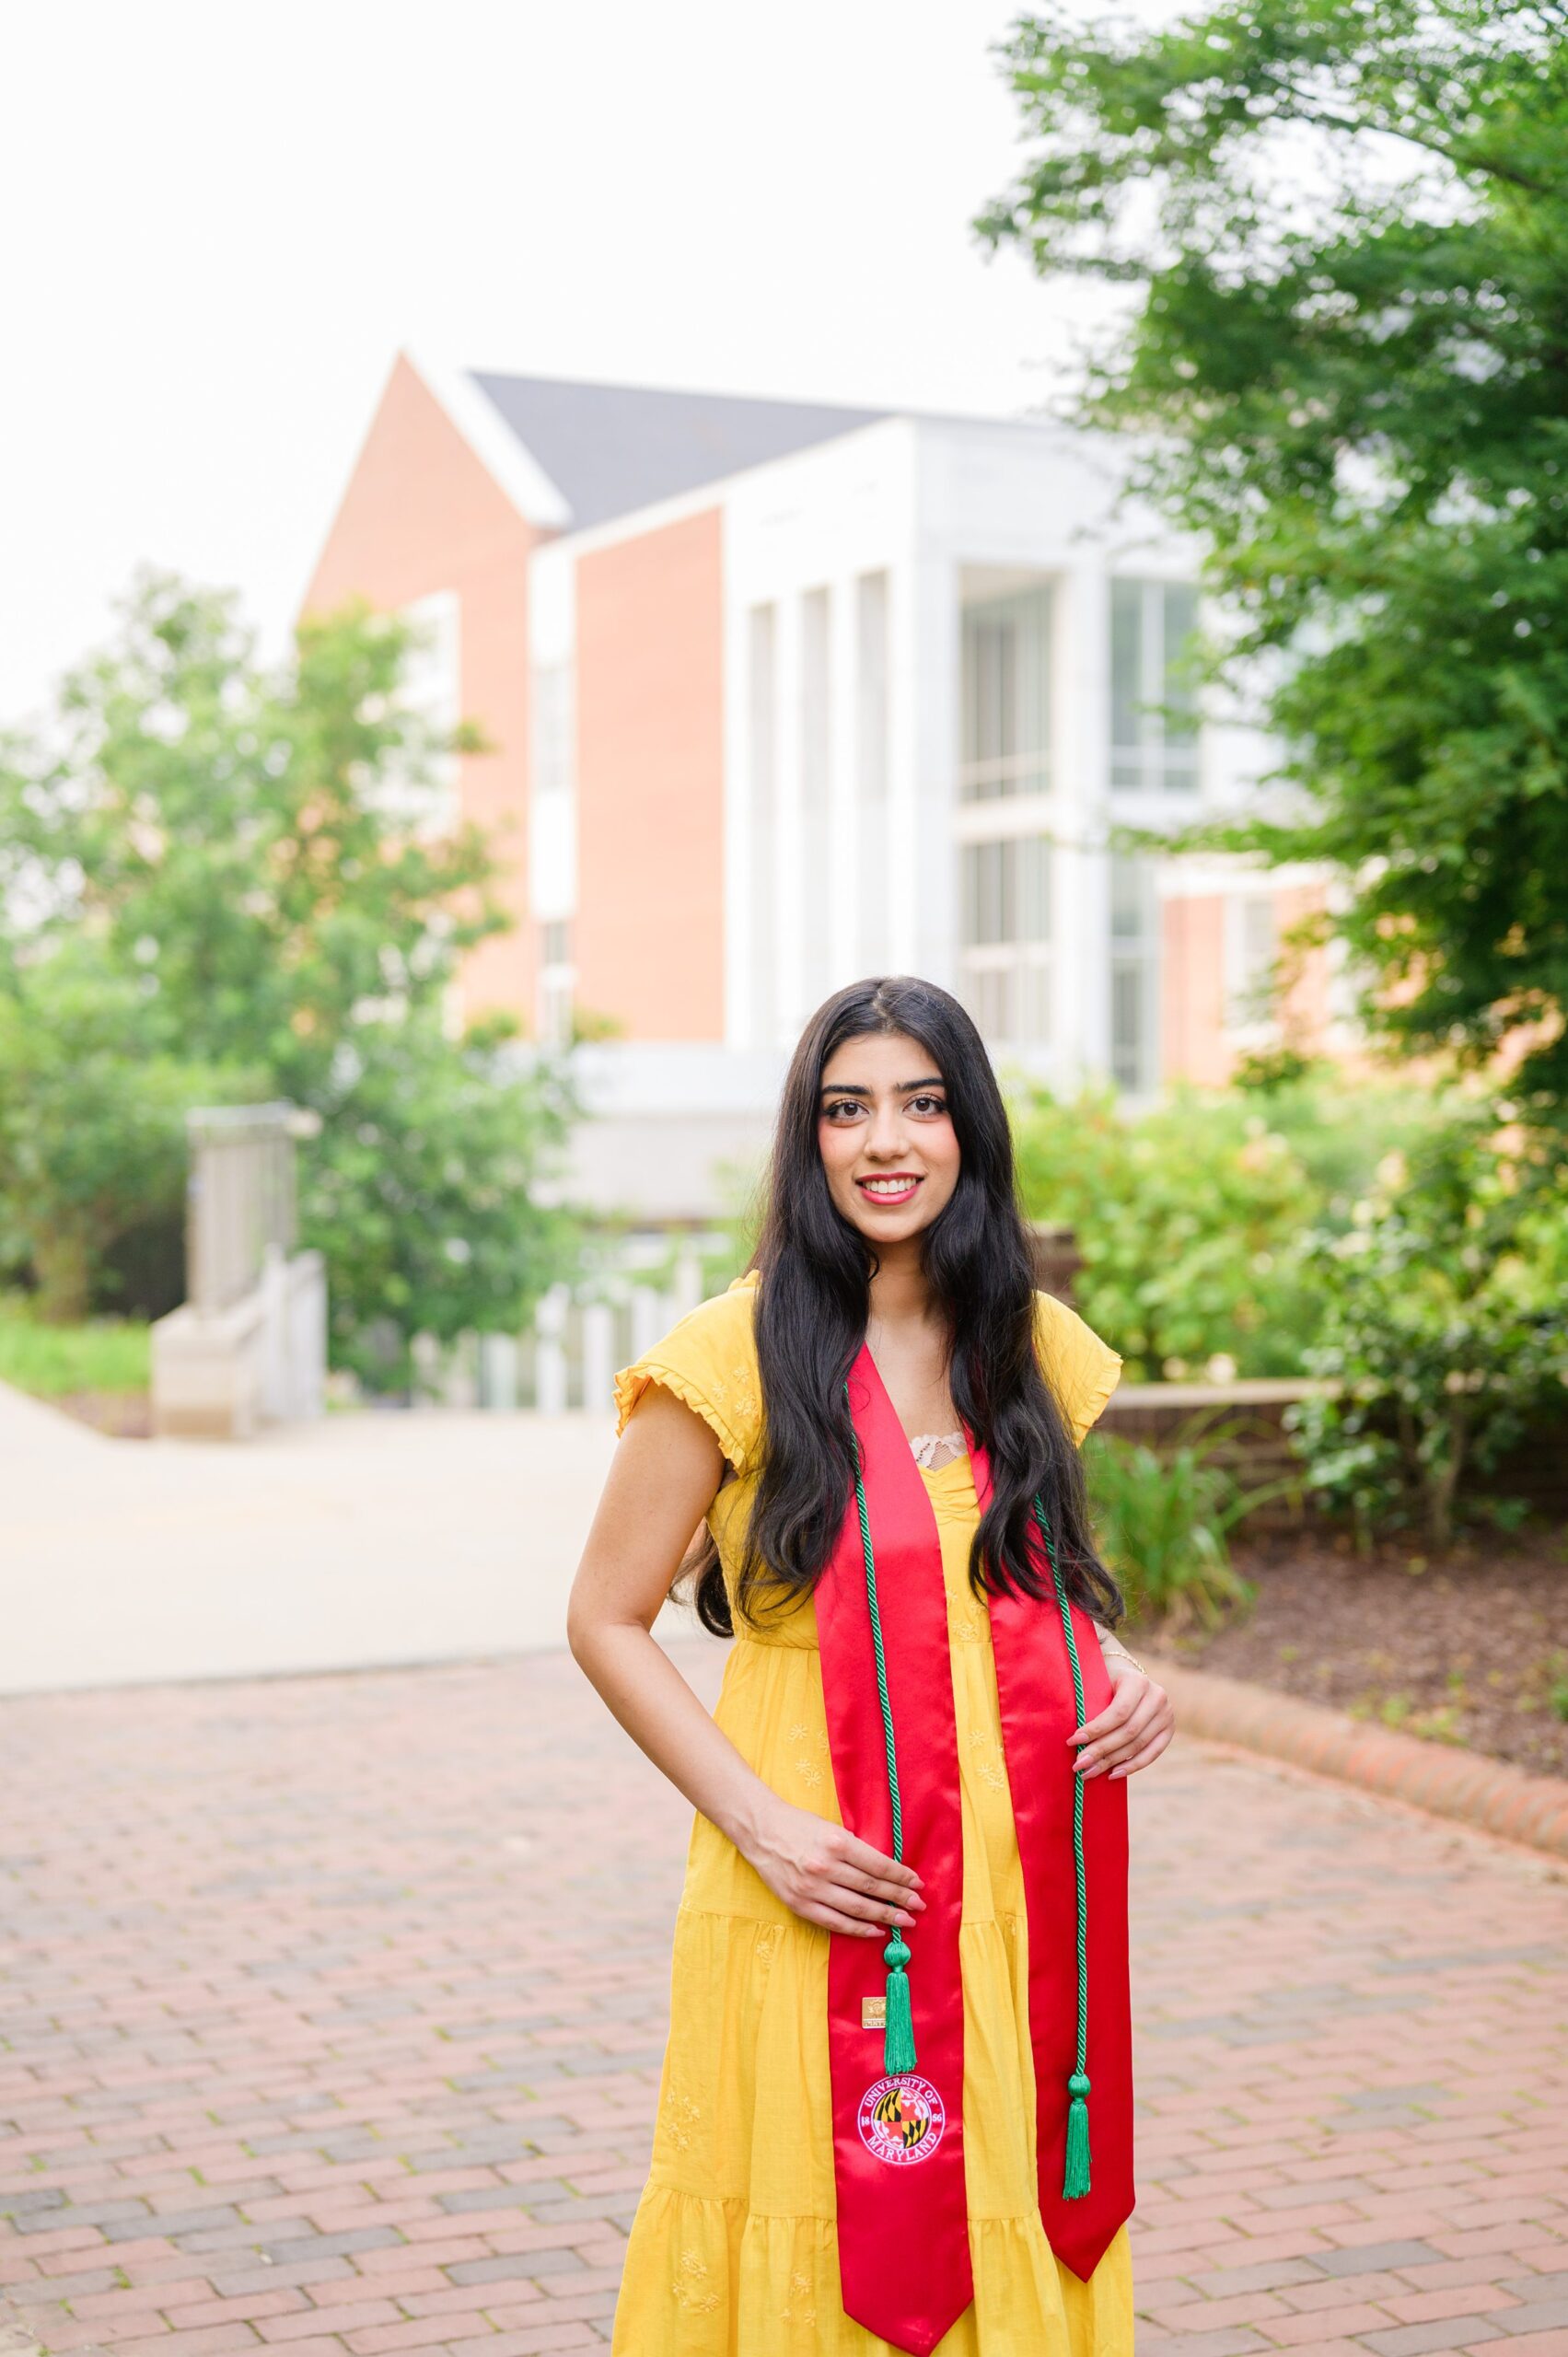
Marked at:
<point>1131,1731</point>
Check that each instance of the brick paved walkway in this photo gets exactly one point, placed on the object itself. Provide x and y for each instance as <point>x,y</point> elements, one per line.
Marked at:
<point>330,2010</point>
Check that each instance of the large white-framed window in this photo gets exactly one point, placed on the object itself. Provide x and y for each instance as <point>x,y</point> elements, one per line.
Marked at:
<point>1251,962</point>
<point>1134,973</point>
<point>1005,876</point>
<point>1005,936</point>
<point>1005,747</point>
<point>1154,709</point>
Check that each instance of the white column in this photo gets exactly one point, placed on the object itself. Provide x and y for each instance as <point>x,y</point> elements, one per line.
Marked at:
<point>906,733</point>
<point>789,849</point>
<point>925,852</point>
<point>819,882</point>
<point>850,875</point>
<point>739,883</point>
<point>1081,761</point>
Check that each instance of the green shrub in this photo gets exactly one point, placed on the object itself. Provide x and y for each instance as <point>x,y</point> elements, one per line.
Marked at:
<point>105,1354</point>
<point>1164,1515</point>
<point>1338,1129</point>
<point>1192,1216</point>
<point>1188,1218</point>
<point>1442,1329</point>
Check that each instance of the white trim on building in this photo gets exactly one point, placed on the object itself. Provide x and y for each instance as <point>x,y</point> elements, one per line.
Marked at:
<point>518,473</point>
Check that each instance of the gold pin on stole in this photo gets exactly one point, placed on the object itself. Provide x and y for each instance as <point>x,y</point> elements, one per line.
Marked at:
<point>873,2012</point>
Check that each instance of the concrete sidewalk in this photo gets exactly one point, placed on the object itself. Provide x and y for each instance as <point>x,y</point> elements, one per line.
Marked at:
<point>360,1539</point>
<point>332,2013</point>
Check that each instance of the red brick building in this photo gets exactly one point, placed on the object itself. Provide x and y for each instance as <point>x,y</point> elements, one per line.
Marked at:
<point>776,694</point>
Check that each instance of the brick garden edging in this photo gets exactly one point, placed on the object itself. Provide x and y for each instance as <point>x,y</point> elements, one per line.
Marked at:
<point>1487,1793</point>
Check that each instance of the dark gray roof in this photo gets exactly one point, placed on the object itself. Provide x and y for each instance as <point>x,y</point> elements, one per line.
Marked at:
<point>610,449</point>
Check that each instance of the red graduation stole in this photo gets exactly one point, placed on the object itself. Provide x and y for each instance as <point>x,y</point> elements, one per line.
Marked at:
<point>899,2141</point>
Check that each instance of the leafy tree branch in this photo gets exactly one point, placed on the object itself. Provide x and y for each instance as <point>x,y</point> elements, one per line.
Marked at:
<point>1344,227</point>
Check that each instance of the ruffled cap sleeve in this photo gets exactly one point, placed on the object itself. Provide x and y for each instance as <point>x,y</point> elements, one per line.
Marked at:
<point>708,1360</point>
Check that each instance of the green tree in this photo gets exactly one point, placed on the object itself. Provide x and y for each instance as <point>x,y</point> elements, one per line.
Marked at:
<point>426,1198</point>
<point>92,1126</point>
<point>1343,229</point>
<point>231,880</point>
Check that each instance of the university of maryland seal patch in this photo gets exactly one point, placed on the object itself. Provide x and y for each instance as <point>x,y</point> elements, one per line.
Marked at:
<point>901,2120</point>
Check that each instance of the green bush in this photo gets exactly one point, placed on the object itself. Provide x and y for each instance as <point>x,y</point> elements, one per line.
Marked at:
<point>1191,1215</point>
<point>1186,1218</point>
<point>105,1354</point>
<point>1164,1516</point>
<point>1338,1128</point>
<point>1441,1326</point>
<point>92,1122</point>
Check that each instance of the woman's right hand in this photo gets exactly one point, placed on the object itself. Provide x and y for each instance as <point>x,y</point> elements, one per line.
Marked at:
<point>831,1876</point>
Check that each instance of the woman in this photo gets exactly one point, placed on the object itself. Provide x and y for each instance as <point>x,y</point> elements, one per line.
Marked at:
<point>900,1989</point>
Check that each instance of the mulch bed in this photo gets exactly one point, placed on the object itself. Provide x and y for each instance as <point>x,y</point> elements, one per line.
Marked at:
<point>1472,1650</point>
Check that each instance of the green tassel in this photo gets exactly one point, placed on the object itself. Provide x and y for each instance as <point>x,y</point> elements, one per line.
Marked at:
<point>1076,2178</point>
<point>898,2030</point>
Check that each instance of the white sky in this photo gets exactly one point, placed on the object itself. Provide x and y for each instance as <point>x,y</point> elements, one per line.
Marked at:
<point>222,221</point>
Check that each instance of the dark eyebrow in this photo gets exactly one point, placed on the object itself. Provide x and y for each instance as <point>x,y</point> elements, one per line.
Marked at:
<point>858,1087</point>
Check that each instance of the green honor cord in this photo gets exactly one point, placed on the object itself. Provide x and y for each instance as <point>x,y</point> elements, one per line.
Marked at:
<point>898,2022</point>
<point>1076,2174</point>
<point>898,2034</point>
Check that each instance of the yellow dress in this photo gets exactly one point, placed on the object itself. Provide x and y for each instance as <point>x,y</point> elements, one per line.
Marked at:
<point>732,2249</point>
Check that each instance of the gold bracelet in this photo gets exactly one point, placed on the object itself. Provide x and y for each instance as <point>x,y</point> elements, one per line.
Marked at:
<point>1122,1654</point>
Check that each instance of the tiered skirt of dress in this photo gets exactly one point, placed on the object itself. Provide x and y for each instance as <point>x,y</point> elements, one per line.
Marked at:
<point>733,2252</point>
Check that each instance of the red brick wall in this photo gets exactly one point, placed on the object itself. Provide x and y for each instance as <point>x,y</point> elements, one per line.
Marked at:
<point>1305,1011</point>
<point>649,935</point>
<point>1192,994</point>
<point>423,514</point>
<point>1193,986</point>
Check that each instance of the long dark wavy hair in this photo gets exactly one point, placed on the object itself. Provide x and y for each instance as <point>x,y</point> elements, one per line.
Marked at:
<point>814,1297</point>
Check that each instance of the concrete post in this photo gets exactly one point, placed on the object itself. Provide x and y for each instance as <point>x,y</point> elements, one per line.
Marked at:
<point>498,1372</point>
<point>249,1344</point>
<point>550,1352</point>
<point>599,1357</point>
<point>648,1319</point>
